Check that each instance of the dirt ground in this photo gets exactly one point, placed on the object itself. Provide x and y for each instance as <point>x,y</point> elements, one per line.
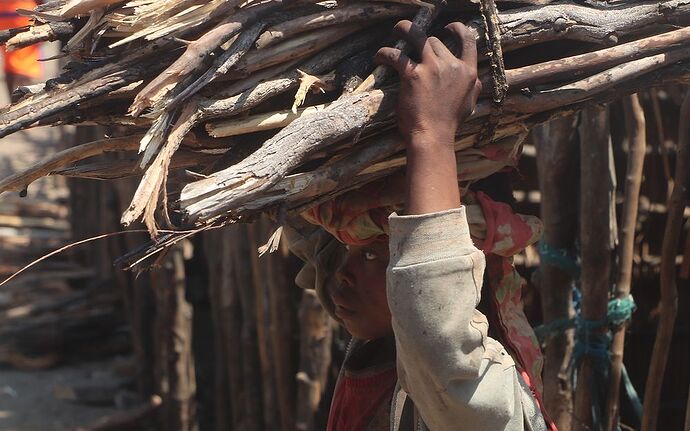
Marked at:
<point>27,402</point>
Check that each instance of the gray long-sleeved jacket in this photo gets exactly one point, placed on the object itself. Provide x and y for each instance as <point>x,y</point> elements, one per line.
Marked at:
<point>456,377</point>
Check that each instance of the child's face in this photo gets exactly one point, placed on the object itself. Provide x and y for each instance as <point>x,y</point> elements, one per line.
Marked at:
<point>360,297</point>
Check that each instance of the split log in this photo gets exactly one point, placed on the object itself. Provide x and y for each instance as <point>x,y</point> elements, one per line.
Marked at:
<point>297,48</point>
<point>259,122</point>
<point>264,168</point>
<point>595,234</point>
<point>637,142</point>
<point>584,89</point>
<point>669,292</point>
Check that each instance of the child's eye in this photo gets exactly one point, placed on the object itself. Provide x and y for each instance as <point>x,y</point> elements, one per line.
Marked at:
<point>370,255</point>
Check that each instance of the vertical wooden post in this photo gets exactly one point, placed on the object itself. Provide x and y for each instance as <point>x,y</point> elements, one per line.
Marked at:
<point>224,307</point>
<point>557,162</point>
<point>265,326</point>
<point>283,339</point>
<point>595,234</point>
<point>669,292</point>
<point>637,142</point>
<point>175,371</point>
<point>314,359</point>
<point>251,370</point>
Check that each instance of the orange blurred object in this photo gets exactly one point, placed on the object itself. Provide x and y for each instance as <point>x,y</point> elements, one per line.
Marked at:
<point>23,61</point>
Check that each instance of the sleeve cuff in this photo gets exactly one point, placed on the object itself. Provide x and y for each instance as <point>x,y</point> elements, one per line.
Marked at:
<point>428,237</point>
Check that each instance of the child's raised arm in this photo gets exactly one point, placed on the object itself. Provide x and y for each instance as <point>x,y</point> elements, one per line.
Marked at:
<point>457,376</point>
<point>438,92</point>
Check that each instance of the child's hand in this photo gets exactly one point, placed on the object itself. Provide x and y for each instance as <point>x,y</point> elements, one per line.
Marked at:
<point>438,92</point>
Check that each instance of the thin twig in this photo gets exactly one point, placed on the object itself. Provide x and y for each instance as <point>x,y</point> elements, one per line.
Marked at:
<point>78,243</point>
<point>669,291</point>
<point>635,124</point>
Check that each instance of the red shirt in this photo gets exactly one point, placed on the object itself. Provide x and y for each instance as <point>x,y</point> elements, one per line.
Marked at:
<point>357,399</point>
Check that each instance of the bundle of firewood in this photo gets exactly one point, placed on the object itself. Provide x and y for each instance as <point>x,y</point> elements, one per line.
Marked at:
<point>275,105</point>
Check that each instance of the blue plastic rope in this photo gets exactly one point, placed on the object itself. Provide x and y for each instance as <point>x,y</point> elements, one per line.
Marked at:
<point>566,260</point>
<point>596,345</point>
<point>620,310</point>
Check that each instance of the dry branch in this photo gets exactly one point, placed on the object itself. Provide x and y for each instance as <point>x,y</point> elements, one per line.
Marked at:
<point>194,56</point>
<point>346,15</point>
<point>635,125</point>
<point>21,180</point>
<point>669,292</point>
<point>42,33</point>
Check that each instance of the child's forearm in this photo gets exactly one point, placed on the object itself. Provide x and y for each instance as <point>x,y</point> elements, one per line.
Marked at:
<point>431,174</point>
<point>438,91</point>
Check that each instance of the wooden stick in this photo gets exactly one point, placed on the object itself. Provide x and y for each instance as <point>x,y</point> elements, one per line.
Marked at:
<point>595,240</point>
<point>567,68</point>
<point>41,33</point>
<point>21,180</point>
<point>668,306</point>
<point>300,47</point>
<point>588,87</point>
<point>262,91</point>
<point>93,83</point>
<point>259,122</point>
<point>221,66</point>
<point>194,55</point>
<point>173,345</point>
<point>637,142</point>
<point>359,12</point>
<point>654,95</point>
<point>521,27</point>
<point>268,165</point>
<point>557,156</point>
<point>251,376</point>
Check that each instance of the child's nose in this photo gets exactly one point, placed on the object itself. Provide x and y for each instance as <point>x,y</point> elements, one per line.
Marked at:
<point>343,278</point>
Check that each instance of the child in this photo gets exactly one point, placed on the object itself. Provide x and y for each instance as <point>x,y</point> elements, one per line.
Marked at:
<point>408,285</point>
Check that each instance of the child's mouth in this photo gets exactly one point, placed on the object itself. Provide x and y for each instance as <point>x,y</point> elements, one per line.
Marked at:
<point>343,313</point>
